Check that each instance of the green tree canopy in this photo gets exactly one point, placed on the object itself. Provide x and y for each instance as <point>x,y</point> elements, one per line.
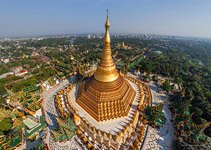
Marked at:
<point>166,86</point>
<point>5,125</point>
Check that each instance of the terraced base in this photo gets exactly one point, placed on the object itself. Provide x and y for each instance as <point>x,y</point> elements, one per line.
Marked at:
<point>106,100</point>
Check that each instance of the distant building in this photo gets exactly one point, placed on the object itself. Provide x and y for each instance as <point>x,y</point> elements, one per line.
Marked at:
<point>160,82</point>
<point>34,54</point>
<point>44,59</point>
<point>38,113</point>
<point>46,86</point>
<point>72,57</point>
<point>60,49</point>
<point>123,46</point>
<point>43,48</point>
<point>137,72</point>
<point>6,60</point>
<point>158,52</point>
<point>89,36</point>
<point>22,72</point>
<point>19,71</point>
<point>177,87</point>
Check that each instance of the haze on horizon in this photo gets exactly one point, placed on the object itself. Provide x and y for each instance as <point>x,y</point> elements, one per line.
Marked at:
<point>166,17</point>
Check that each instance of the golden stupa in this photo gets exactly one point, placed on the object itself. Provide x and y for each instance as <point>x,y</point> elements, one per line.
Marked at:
<point>106,94</point>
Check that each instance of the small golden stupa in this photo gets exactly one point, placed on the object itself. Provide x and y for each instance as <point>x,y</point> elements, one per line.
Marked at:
<point>106,94</point>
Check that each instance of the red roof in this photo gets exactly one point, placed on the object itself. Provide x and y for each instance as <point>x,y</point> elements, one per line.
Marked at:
<point>23,70</point>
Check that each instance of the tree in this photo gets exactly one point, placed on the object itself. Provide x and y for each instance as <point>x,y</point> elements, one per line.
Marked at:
<point>207,131</point>
<point>166,86</point>
<point>2,90</point>
<point>200,120</point>
<point>4,113</point>
<point>5,125</point>
<point>179,80</point>
<point>3,69</point>
<point>197,111</point>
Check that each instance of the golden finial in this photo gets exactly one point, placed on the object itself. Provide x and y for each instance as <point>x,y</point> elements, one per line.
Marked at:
<point>107,35</point>
<point>107,24</point>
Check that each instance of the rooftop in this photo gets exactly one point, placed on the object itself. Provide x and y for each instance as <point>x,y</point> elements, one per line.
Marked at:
<point>35,127</point>
<point>30,123</point>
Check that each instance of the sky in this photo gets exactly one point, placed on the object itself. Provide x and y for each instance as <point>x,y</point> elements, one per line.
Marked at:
<point>45,17</point>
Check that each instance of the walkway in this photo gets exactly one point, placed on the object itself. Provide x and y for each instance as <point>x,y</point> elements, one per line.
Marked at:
<point>162,138</point>
<point>50,113</point>
<point>73,144</point>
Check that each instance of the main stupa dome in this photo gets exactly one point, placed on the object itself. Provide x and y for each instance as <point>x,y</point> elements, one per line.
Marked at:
<point>106,94</point>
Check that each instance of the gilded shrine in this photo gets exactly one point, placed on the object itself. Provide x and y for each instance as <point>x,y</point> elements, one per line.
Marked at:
<point>106,95</point>
<point>107,108</point>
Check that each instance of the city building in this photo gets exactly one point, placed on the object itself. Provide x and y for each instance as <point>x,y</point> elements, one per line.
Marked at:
<point>6,60</point>
<point>33,126</point>
<point>19,71</point>
<point>22,72</point>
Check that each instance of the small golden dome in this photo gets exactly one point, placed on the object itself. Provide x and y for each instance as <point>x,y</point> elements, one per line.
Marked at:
<point>99,132</point>
<point>77,119</point>
<point>89,145</point>
<point>120,134</point>
<point>110,136</point>
<point>105,135</point>
<point>84,139</point>
<point>78,132</point>
<point>116,138</point>
<point>124,131</point>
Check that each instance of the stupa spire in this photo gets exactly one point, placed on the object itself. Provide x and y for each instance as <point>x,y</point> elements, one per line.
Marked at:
<point>106,69</point>
<point>107,40</point>
<point>106,95</point>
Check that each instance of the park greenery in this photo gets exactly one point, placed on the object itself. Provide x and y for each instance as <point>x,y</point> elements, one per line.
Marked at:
<point>5,125</point>
<point>191,69</point>
<point>3,69</point>
<point>11,125</point>
<point>155,116</point>
<point>195,78</point>
<point>66,130</point>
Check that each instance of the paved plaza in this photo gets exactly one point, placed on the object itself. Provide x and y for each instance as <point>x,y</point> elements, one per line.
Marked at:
<point>50,113</point>
<point>73,144</point>
<point>162,138</point>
